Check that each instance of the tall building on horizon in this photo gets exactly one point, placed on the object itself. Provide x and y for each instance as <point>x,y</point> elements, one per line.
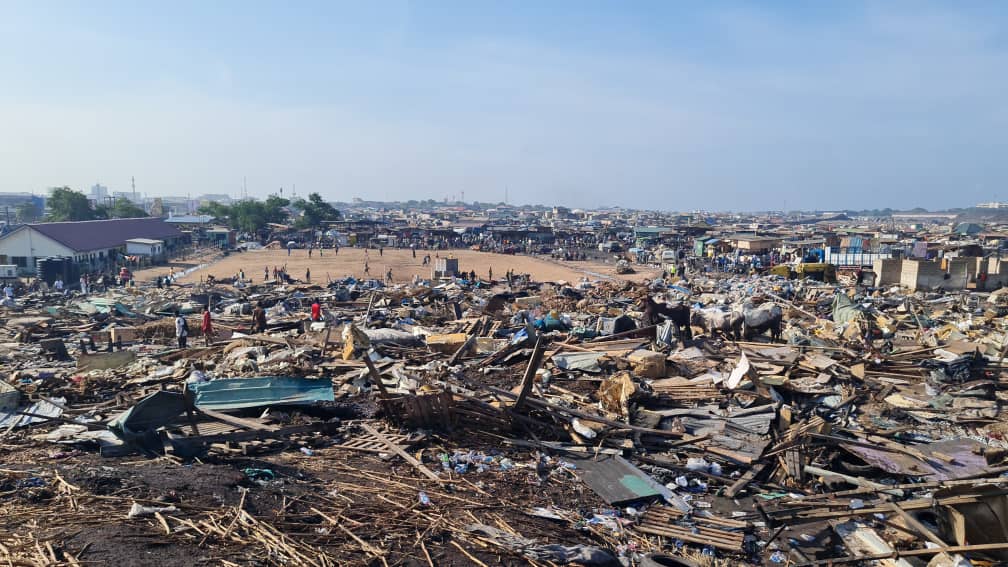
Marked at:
<point>99,193</point>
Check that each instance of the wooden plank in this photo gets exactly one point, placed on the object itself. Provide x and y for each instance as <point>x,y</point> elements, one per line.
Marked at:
<point>401,452</point>
<point>795,462</point>
<point>587,416</point>
<point>252,424</point>
<point>721,542</point>
<point>461,350</point>
<point>744,480</point>
<point>530,371</point>
<point>915,524</point>
<point>375,375</point>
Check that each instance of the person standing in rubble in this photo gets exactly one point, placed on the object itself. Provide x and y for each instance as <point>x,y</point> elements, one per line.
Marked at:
<point>266,274</point>
<point>83,285</point>
<point>490,274</point>
<point>307,275</point>
<point>316,311</point>
<point>259,319</point>
<point>207,325</point>
<point>181,329</point>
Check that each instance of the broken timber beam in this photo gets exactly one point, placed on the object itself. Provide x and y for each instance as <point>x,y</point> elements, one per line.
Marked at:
<point>535,361</point>
<point>744,480</point>
<point>402,453</point>
<point>589,417</point>
<point>375,375</point>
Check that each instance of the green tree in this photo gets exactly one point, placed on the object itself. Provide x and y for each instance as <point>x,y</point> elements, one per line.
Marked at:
<point>274,209</point>
<point>216,210</point>
<point>124,209</point>
<point>28,212</point>
<point>314,211</point>
<point>249,215</point>
<point>65,204</point>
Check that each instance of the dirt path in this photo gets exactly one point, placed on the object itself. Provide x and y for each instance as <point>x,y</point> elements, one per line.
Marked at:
<point>350,262</point>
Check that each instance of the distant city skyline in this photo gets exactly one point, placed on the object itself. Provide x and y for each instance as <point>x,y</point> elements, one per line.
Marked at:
<point>648,105</point>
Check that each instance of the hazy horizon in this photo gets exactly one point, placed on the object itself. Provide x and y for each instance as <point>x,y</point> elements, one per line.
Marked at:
<point>649,105</point>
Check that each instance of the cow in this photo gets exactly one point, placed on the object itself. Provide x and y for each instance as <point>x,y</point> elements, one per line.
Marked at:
<point>655,312</point>
<point>758,319</point>
<point>713,319</point>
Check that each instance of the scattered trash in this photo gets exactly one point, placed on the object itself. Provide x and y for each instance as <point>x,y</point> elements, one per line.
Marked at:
<point>744,407</point>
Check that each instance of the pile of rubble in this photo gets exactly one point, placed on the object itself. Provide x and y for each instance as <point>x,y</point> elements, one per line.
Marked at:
<point>711,421</point>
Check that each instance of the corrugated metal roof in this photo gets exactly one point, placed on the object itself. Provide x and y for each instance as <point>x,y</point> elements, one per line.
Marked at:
<point>190,219</point>
<point>617,481</point>
<point>238,393</point>
<point>82,236</point>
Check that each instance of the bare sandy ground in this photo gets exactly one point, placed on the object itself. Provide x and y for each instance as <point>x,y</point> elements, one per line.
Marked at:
<point>351,261</point>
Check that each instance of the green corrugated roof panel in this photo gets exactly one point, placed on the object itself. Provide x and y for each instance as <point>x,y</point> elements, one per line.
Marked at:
<point>239,393</point>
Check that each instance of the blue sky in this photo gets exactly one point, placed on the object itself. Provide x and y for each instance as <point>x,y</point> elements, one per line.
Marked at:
<point>668,105</point>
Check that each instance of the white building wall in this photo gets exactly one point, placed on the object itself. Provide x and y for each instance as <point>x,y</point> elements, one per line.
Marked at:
<point>30,244</point>
<point>143,249</point>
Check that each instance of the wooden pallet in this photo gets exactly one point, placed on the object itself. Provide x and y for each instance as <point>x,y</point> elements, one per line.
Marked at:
<point>704,531</point>
<point>368,443</point>
<point>431,410</point>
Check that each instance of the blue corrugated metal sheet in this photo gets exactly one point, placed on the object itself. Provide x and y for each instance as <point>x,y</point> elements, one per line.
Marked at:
<point>239,393</point>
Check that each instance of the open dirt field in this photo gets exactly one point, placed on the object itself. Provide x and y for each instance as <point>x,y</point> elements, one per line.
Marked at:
<point>350,262</point>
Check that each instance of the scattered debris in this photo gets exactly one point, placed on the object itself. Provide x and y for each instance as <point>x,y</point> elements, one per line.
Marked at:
<point>466,422</point>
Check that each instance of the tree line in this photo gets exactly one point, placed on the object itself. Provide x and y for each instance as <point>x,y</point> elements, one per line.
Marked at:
<point>66,204</point>
<point>250,215</point>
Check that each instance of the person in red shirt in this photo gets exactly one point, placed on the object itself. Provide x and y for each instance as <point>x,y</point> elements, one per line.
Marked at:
<point>207,326</point>
<point>316,311</point>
